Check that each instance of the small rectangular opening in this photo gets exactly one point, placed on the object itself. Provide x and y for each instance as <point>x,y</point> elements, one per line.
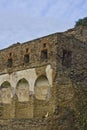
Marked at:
<point>27,50</point>
<point>9,62</point>
<point>26,58</point>
<point>44,45</point>
<point>67,58</point>
<point>44,54</point>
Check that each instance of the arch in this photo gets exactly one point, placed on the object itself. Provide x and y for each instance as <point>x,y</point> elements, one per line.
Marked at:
<point>22,90</point>
<point>42,88</point>
<point>5,92</point>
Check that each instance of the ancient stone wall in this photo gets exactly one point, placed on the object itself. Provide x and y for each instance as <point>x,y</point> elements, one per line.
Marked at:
<point>26,82</point>
<point>30,54</point>
<point>72,78</point>
<point>39,83</point>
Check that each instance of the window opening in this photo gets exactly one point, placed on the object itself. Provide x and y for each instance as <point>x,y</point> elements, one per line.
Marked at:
<point>26,58</point>
<point>10,61</point>
<point>44,54</point>
<point>9,64</point>
<point>26,50</point>
<point>67,58</point>
<point>10,54</point>
<point>44,45</point>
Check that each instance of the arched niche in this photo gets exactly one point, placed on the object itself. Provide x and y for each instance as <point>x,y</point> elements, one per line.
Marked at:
<point>42,88</point>
<point>5,92</point>
<point>22,90</point>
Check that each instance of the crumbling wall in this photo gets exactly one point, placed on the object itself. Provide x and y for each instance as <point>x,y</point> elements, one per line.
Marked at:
<point>72,78</point>
<point>56,62</point>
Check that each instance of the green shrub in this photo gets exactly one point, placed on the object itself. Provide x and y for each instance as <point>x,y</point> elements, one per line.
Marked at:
<point>82,22</point>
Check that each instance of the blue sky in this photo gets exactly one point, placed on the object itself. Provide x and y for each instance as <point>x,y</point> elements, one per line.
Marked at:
<point>24,20</point>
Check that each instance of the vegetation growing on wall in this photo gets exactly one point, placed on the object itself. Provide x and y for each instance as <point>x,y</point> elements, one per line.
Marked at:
<point>82,22</point>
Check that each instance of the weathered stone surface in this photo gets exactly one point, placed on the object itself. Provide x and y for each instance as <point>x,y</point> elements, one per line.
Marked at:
<point>47,90</point>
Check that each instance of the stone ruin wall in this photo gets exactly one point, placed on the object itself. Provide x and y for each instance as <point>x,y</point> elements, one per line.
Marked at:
<point>17,82</point>
<point>42,87</point>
